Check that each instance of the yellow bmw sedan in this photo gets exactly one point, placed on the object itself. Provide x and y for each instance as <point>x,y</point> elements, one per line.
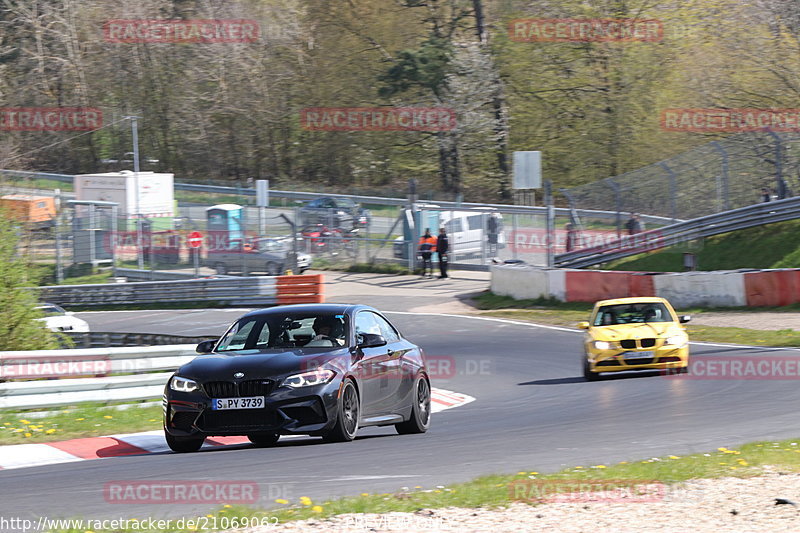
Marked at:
<point>641,333</point>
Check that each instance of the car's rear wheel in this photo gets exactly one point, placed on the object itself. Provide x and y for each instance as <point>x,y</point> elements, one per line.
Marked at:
<point>264,440</point>
<point>421,410</point>
<point>587,371</point>
<point>184,444</point>
<point>347,418</point>
<point>221,269</point>
<point>273,269</point>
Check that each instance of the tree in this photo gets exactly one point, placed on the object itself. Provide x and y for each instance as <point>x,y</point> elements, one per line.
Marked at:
<point>19,329</point>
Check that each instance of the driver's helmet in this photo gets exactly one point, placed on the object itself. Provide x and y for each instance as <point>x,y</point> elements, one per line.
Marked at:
<point>335,324</point>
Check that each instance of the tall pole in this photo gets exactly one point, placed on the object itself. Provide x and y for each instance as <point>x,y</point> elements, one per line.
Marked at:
<point>550,222</point>
<point>135,133</point>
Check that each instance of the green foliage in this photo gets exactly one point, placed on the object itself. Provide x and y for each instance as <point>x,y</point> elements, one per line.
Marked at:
<point>425,67</point>
<point>771,246</point>
<point>19,329</point>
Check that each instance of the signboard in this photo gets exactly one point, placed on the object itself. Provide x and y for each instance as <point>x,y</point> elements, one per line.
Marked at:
<point>148,194</point>
<point>195,239</point>
<point>527,170</point>
<point>262,193</point>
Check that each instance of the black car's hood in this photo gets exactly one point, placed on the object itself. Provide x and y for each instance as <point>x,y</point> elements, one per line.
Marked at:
<point>262,364</point>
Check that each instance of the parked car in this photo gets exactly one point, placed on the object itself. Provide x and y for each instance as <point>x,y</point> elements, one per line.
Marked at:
<point>639,333</point>
<point>469,232</point>
<point>316,369</point>
<point>334,212</point>
<point>258,255</point>
<point>57,319</point>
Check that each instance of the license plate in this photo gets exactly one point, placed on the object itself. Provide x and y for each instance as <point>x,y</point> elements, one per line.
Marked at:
<point>224,404</point>
<point>633,356</point>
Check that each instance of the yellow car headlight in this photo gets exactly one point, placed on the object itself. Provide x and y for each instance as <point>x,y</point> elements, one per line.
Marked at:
<point>676,340</point>
<point>602,345</point>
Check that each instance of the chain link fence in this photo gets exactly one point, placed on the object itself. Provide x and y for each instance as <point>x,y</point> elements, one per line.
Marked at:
<point>717,176</point>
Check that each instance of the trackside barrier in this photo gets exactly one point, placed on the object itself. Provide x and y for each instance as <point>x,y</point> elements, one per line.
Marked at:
<point>752,288</point>
<point>254,290</point>
<point>300,289</point>
<point>711,289</point>
<point>144,370</point>
<point>772,288</point>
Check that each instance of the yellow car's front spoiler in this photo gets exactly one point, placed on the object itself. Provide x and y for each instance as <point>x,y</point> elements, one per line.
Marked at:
<point>649,366</point>
<point>682,353</point>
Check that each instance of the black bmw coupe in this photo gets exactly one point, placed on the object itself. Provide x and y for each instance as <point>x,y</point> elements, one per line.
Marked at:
<point>317,369</point>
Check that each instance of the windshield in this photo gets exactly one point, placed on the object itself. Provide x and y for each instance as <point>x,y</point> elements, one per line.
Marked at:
<point>286,330</point>
<point>634,313</point>
<point>51,310</point>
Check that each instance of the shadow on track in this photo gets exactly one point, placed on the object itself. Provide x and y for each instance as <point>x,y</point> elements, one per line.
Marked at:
<point>605,377</point>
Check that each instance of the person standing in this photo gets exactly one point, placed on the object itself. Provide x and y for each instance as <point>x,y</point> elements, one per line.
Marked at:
<point>634,224</point>
<point>572,237</point>
<point>427,245</point>
<point>443,248</point>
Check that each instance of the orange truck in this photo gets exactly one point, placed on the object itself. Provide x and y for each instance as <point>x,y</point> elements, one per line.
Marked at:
<point>35,212</point>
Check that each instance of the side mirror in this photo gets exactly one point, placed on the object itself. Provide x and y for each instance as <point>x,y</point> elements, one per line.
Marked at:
<point>683,319</point>
<point>370,340</point>
<point>206,346</point>
<point>583,325</point>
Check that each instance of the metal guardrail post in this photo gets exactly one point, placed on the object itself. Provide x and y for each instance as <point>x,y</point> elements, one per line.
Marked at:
<point>723,185</point>
<point>550,221</point>
<point>780,184</point>
<point>673,189</point>
<point>617,203</point>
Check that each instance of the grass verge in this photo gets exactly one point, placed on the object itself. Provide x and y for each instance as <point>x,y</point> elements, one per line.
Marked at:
<point>497,490</point>
<point>90,420</point>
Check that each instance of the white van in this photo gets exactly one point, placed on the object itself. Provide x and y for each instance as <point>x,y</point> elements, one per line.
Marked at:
<point>471,231</point>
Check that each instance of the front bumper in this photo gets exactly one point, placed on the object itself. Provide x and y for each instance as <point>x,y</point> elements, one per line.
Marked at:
<point>614,361</point>
<point>303,411</point>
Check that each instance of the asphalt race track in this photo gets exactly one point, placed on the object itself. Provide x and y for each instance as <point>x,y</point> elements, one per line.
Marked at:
<point>533,412</point>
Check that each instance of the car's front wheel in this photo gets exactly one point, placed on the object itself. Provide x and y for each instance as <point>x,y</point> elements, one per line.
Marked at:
<point>184,444</point>
<point>273,269</point>
<point>264,440</point>
<point>587,371</point>
<point>421,410</point>
<point>347,418</point>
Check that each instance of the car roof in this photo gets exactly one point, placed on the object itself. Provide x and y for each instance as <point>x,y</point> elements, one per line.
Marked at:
<point>632,300</point>
<point>310,308</point>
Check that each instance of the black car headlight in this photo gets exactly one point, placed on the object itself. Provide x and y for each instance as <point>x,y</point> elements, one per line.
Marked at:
<point>183,385</point>
<point>308,379</point>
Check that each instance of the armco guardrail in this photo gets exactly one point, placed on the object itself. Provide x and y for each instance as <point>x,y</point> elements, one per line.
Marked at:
<point>379,200</point>
<point>101,339</point>
<point>254,290</point>
<point>736,219</point>
<point>147,369</point>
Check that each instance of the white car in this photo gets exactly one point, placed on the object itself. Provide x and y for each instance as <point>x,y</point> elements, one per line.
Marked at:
<point>57,319</point>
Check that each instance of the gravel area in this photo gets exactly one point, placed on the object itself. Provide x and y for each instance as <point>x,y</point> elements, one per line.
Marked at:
<point>748,320</point>
<point>726,505</point>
